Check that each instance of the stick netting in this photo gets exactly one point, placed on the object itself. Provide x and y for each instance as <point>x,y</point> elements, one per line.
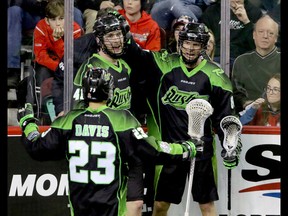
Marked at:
<point>231,127</point>
<point>198,111</point>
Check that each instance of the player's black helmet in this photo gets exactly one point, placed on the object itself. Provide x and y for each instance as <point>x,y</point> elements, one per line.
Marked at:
<point>97,85</point>
<point>111,22</point>
<point>194,32</point>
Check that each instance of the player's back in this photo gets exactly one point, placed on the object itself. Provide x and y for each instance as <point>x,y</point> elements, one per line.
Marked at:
<point>97,168</point>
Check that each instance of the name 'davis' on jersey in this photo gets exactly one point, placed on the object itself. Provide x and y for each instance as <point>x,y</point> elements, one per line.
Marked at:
<point>91,130</point>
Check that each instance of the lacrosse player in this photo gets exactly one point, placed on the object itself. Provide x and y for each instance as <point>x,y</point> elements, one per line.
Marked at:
<point>98,142</point>
<point>110,33</point>
<point>172,80</point>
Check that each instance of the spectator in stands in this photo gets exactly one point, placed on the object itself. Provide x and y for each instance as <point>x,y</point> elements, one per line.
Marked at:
<point>252,70</point>
<point>269,113</point>
<point>49,40</point>
<point>211,45</point>
<point>176,26</point>
<point>165,11</point>
<point>23,15</point>
<point>90,9</point>
<point>243,16</point>
<point>144,29</point>
<point>273,9</point>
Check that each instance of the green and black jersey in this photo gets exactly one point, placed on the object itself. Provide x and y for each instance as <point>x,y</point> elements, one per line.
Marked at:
<point>122,93</point>
<point>99,145</point>
<point>170,86</point>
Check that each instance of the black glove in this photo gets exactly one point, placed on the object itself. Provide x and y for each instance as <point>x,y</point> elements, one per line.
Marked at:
<point>25,116</point>
<point>232,160</point>
<point>196,147</point>
<point>199,143</point>
<point>189,150</point>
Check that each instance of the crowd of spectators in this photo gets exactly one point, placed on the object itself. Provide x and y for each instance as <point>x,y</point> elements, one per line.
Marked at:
<point>254,54</point>
<point>147,18</point>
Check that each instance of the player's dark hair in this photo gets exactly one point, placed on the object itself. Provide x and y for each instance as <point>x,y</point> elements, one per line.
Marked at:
<point>98,85</point>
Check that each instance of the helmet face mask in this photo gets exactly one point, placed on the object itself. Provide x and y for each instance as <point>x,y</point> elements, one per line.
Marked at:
<point>193,39</point>
<point>107,26</point>
<point>113,43</point>
<point>97,85</point>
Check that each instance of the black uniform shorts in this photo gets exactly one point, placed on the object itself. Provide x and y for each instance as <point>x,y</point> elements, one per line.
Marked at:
<point>172,179</point>
<point>135,185</point>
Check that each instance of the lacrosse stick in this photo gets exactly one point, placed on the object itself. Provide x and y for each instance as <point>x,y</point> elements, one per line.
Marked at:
<point>231,127</point>
<point>198,111</point>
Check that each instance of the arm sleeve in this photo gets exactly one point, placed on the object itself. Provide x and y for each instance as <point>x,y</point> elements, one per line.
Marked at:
<point>138,59</point>
<point>150,150</point>
<point>247,115</point>
<point>50,145</point>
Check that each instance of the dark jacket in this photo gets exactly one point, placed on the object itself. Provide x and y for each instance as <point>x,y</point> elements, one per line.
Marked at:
<point>31,6</point>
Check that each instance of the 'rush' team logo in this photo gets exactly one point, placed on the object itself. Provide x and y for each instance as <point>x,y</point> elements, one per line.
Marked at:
<point>179,99</point>
<point>121,99</point>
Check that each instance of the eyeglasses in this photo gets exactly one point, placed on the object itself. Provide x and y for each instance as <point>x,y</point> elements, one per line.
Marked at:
<point>273,90</point>
<point>265,33</point>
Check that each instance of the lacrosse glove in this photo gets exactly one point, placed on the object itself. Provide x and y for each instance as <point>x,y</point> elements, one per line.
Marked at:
<point>194,147</point>
<point>232,160</point>
<point>26,119</point>
<point>189,150</point>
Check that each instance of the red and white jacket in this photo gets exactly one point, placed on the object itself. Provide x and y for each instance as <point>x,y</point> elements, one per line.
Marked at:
<point>47,51</point>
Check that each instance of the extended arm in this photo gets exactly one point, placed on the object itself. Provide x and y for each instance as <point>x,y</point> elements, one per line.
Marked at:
<point>50,145</point>
<point>160,152</point>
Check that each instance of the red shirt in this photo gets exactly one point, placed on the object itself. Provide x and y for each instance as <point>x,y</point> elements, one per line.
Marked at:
<point>272,119</point>
<point>145,31</point>
<point>47,51</point>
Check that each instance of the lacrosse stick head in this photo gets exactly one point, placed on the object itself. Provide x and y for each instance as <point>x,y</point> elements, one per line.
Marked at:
<point>231,127</point>
<point>198,111</point>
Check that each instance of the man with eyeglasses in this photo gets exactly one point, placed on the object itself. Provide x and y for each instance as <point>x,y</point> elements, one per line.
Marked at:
<point>252,70</point>
<point>243,15</point>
